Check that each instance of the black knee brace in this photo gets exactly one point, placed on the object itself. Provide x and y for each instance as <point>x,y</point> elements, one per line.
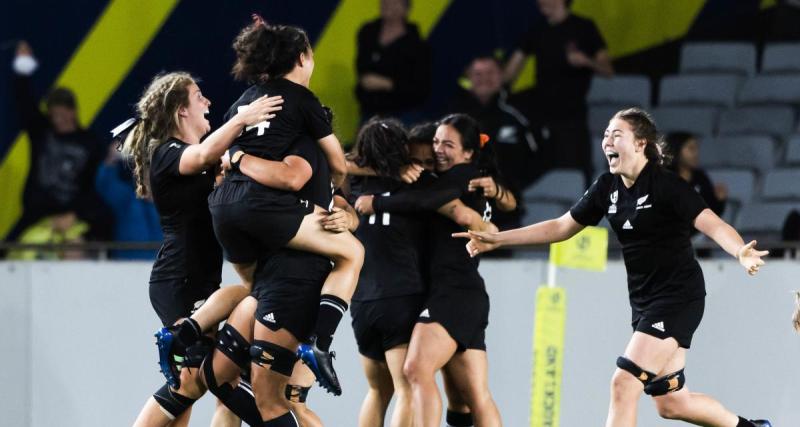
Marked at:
<point>279,359</point>
<point>233,345</point>
<point>666,384</point>
<point>627,365</point>
<point>296,393</point>
<point>197,352</point>
<point>173,403</point>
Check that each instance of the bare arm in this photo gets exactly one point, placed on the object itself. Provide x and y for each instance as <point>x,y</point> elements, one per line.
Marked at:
<point>550,231</point>
<point>465,216</point>
<point>333,152</point>
<point>290,174</point>
<point>199,157</point>
<point>729,239</point>
<point>502,196</point>
<point>601,64</point>
<point>514,66</point>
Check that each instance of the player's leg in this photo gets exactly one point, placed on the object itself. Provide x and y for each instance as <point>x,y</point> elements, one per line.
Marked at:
<point>297,394</point>
<point>379,393</point>
<point>469,373</point>
<point>273,358</point>
<point>430,349</point>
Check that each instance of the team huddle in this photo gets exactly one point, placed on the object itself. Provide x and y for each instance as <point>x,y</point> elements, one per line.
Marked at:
<point>312,231</point>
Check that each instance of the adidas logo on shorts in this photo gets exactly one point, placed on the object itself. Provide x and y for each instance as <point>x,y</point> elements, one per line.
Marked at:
<point>658,326</point>
<point>269,317</point>
<point>425,313</point>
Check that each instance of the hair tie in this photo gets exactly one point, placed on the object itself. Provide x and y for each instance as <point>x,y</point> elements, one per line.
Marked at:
<point>484,139</point>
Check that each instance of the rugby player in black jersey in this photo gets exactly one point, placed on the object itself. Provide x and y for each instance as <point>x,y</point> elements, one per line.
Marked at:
<point>284,300</point>
<point>652,212</point>
<point>451,326</point>
<point>177,171</point>
<point>251,218</point>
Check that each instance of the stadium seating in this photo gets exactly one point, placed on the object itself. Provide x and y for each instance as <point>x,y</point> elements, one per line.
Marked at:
<point>793,151</point>
<point>781,58</point>
<point>770,89</point>
<point>561,185</point>
<point>775,121</point>
<point>735,58</point>
<point>763,219</point>
<point>716,90</point>
<point>782,185</point>
<point>536,212</point>
<point>700,121</point>
<point>620,91</point>
<point>599,115</point>
<point>741,183</point>
<point>751,152</point>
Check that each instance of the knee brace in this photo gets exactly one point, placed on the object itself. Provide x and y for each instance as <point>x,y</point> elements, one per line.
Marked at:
<point>666,384</point>
<point>279,359</point>
<point>171,402</point>
<point>197,352</point>
<point>239,400</point>
<point>296,393</point>
<point>234,346</point>
<point>627,365</point>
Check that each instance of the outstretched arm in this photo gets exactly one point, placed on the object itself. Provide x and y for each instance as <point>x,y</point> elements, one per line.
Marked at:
<point>550,231</point>
<point>708,223</point>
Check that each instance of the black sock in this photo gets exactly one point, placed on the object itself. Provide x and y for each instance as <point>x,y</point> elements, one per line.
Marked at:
<point>744,423</point>
<point>189,332</point>
<point>285,420</point>
<point>331,310</point>
<point>459,419</point>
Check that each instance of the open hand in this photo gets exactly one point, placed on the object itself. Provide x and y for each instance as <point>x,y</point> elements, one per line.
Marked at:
<point>750,258</point>
<point>260,110</point>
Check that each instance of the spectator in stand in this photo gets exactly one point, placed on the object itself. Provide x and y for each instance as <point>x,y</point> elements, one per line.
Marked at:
<point>57,229</point>
<point>569,50</point>
<point>136,220</point>
<point>393,64</point>
<point>683,148</point>
<point>511,138</point>
<point>64,157</point>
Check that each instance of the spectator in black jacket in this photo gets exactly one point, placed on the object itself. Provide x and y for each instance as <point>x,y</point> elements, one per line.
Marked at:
<point>393,64</point>
<point>64,156</point>
<point>683,148</point>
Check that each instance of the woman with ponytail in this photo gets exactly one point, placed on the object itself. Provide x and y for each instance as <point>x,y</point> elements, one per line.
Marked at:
<point>176,170</point>
<point>652,211</point>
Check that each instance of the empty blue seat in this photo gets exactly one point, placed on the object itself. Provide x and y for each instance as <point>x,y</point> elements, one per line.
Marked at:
<point>560,185</point>
<point>599,115</point>
<point>770,89</point>
<point>623,91</point>
<point>700,121</point>
<point>741,183</point>
<point>782,184</point>
<point>793,151</point>
<point>774,121</point>
<point>716,90</point>
<point>542,211</point>
<point>736,58</point>
<point>781,58</point>
<point>752,152</point>
<point>763,218</point>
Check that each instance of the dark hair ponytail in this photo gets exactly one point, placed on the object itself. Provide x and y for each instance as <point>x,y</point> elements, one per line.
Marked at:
<point>483,155</point>
<point>644,127</point>
<point>382,144</point>
<point>265,51</point>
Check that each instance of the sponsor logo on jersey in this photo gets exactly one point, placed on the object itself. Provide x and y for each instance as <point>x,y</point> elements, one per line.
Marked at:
<point>174,145</point>
<point>425,313</point>
<point>659,326</point>
<point>640,202</point>
<point>269,317</point>
<point>614,197</point>
<point>627,225</point>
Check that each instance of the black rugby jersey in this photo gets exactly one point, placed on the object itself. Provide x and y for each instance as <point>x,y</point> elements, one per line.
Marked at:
<point>653,221</point>
<point>190,249</point>
<point>450,264</point>
<point>290,263</point>
<point>301,114</point>
<point>392,242</point>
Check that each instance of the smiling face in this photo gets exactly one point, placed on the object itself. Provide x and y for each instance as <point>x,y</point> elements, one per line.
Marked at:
<point>193,115</point>
<point>486,77</point>
<point>623,151</point>
<point>448,148</point>
<point>422,154</point>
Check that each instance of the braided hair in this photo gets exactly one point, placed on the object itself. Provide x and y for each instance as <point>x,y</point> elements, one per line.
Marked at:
<point>157,110</point>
